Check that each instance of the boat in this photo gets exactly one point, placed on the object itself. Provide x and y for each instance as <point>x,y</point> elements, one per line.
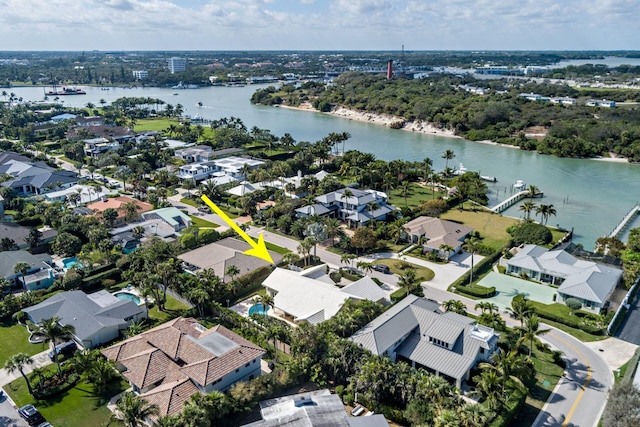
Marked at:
<point>488,178</point>
<point>461,170</point>
<point>199,104</point>
<point>175,93</point>
<point>183,86</point>
<point>519,185</point>
<point>65,91</point>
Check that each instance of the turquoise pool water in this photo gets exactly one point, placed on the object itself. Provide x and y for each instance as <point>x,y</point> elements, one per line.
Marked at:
<point>127,295</point>
<point>70,262</point>
<point>258,309</point>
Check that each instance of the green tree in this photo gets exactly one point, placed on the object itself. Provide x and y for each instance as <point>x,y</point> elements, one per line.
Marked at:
<point>67,244</point>
<point>22,268</point>
<point>364,238</point>
<point>471,246</point>
<point>531,330</point>
<point>18,362</point>
<point>34,238</point>
<point>133,411</point>
<point>110,215</point>
<point>527,207</point>
<point>448,155</point>
<point>455,306</point>
<point>54,332</point>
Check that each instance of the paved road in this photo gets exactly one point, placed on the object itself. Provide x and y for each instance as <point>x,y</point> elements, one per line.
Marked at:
<point>8,415</point>
<point>581,395</point>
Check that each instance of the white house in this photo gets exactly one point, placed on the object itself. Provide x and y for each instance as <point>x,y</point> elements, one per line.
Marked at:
<point>590,282</point>
<point>357,206</point>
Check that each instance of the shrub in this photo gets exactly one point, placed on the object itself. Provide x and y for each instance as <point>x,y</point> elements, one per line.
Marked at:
<point>208,236</point>
<point>531,233</point>
<point>188,241</point>
<point>477,291</point>
<point>398,295</point>
<point>96,279</point>
<point>573,303</point>
<point>72,279</point>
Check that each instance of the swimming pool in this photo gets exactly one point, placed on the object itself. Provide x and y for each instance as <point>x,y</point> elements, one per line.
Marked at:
<point>128,296</point>
<point>258,309</point>
<point>70,262</point>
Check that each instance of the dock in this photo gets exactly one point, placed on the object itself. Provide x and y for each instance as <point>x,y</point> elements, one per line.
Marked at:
<point>510,201</point>
<point>625,221</point>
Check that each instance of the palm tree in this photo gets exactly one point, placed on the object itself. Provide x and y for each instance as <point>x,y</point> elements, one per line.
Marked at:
<point>455,306</point>
<point>487,307</point>
<point>510,367</point>
<point>18,362</point>
<point>533,191</point>
<point>265,300</point>
<point>332,227</point>
<point>448,155</point>
<point>404,188</point>
<point>138,232</point>
<point>409,280</point>
<point>530,330</point>
<point>54,332</point>
<point>520,308</point>
<point>471,245</point>
<point>130,210</point>
<point>527,207</point>
<point>447,249</point>
<point>347,258</point>
<point>488,387</point>
<point>110,215</point>
<point>473,415</point>
<point>366,267</point>
<point>133,411</point>
<point>304,249</point>
<point>232,271</point>
<point>427,164</point>
<point>550,211</point>
<point>22,268</point>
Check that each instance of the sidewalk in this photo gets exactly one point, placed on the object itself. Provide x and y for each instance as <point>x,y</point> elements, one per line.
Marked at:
<point>39,360</point>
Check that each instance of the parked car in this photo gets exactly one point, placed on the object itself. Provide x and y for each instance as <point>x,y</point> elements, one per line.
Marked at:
<point>45,424</point>
<point>205,209</point>
<point>382,268</point>
<point>31,415</point>
<point>64,349</point>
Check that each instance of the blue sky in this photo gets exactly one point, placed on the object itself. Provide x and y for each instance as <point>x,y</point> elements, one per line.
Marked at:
<point>319,24</point>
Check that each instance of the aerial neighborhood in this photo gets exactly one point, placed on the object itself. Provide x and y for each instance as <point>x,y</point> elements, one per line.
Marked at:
<point>399,292</point>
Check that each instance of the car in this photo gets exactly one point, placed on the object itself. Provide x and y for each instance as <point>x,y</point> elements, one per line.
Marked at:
<point>381,268</point>
<point>205,209</point>
<point>31,415</point>
<point>64,349</point>
<point>45,424</point>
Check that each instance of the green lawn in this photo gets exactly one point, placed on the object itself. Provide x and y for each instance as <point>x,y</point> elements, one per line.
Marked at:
<point>173,309</point>
<point>14,340</point>
<point>416,195</point>
<point>77,407</point>
<point>547,376</point>
<point>423,274</point>
<point>277,249</point>
<point>202,223</point>
<point>161,124</point>
<point>491,226</point>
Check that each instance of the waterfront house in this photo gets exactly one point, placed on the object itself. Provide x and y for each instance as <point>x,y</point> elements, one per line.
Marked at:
<point>98,318</point>
<point>169,363</point>
<point>39,273</point>
<point>590,282</point>
<point>433,233</point>
<point>358,207</point>
<point>414,330</point>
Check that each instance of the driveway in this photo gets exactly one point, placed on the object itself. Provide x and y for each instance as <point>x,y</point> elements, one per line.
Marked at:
<point>8,415</point>
<point>629,330</point>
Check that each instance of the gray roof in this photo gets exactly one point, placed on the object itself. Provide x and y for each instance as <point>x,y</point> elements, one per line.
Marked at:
<point>9,259</point>
<point>445,342</point>
<point>365,288</point>
<point>315,209</point>
<point>311,409</point>
<point>585,280</point>
<point>88,314</point>
<point>358,198</point>
<point>17,232</point>
<point>6,156</point>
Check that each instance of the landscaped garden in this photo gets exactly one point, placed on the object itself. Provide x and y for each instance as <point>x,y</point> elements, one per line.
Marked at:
<point>18,337</point>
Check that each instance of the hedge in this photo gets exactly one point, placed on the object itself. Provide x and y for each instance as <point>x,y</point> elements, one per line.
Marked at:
<point>478,269</point>
<point>547,312</point>
<point>398,295</point>
<point>92,281</point>
<point>477,291</point>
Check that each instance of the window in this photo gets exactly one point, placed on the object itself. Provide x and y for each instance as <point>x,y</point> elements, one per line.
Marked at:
<point>238,370</point>
<point>247,365</point>
<point>481,350</point>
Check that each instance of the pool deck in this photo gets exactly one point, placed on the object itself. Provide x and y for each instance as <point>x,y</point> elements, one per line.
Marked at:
<point>508,287</point>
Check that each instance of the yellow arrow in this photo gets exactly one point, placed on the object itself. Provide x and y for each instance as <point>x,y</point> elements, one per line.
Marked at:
<point>258,250</point>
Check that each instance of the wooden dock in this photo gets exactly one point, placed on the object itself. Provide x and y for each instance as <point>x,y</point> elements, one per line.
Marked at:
<point>625,221</point>
<point>510,201</point>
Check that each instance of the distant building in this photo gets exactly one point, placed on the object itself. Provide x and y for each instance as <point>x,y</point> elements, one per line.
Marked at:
<point>176,64</point>
<point>140,74</point>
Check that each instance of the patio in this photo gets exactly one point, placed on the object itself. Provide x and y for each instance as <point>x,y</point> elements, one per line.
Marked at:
<point>508,287</point>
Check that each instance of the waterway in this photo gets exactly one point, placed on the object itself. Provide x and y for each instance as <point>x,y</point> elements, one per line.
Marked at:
<point>589,196</point>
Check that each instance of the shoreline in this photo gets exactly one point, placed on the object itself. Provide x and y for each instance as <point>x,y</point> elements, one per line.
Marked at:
<point>380,119</point>
<point>420,126</point>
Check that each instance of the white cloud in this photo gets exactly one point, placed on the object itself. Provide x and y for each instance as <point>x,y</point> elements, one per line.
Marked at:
<point>309,24</point>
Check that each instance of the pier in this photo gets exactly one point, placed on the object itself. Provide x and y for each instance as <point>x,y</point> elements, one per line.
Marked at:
<point>625,221</point>
<point>511,201</point>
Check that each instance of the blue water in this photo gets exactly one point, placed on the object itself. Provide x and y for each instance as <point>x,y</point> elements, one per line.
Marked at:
<point>127,296</point>
<point>69,262</point>
<point>258,309</point>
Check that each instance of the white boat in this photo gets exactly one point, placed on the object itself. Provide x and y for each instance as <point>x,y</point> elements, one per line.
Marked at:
<point>461,170</point>
<point>519,185</point>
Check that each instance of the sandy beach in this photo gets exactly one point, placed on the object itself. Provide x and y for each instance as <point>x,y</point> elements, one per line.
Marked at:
<point>381,119</point>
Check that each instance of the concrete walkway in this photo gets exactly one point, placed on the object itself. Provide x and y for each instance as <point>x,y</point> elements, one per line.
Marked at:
<point>39,360</point>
